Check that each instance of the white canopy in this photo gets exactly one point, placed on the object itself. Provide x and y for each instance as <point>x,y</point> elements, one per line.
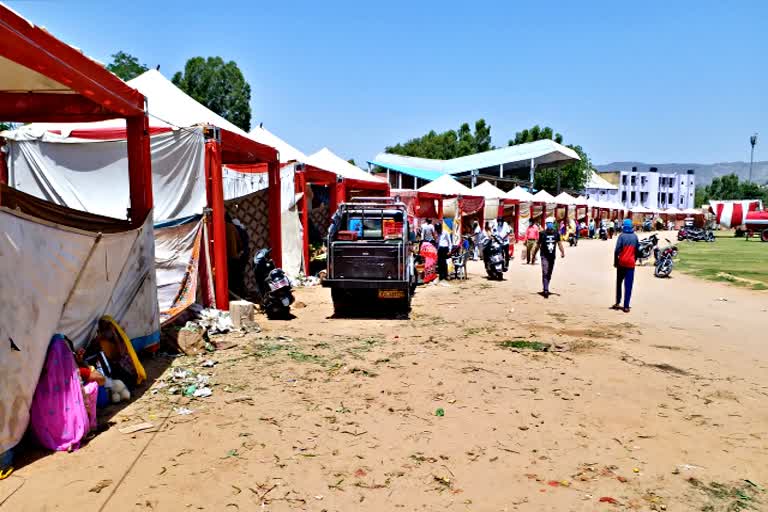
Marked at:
<point>581,200</point>
<point>692,211</point>
<point>565,198</point>
<point>327,160</point>
<point>542,196</point>
<point>168,106</point>
<point>488,190</point>
<point>640,209</point>
<point>447,186</point>
<point>287,152</point>
<point>672,211</point>
<point>520,194</point>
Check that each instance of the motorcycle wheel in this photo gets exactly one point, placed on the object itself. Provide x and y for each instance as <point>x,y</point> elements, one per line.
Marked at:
<point>675,252</point>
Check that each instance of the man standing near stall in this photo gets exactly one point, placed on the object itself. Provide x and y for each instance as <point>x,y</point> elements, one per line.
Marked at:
<point>502,231</point>
<point>548,239</point>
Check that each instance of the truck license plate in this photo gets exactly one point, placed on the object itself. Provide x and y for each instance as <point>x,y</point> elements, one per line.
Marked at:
<point>391,294</point>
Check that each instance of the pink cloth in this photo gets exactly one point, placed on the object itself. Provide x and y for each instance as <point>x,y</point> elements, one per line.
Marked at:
<point>91,396</point>
<point>58,415</point>
<point>429,253</point>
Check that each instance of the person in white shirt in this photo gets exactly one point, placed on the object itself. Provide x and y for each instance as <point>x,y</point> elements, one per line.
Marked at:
<point>477,236</point>
<point>428,231</point>
<point>502,231</point>
<point>444,246</point>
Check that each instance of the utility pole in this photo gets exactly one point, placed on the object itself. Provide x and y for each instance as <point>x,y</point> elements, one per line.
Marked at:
<point>752,142</point>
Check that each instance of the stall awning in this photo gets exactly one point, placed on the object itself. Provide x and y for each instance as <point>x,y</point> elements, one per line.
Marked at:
<point>489,191</point>
<point>542,196</point>
<point>327,160</point>
<point>520,194</point>
<point>447,186</point>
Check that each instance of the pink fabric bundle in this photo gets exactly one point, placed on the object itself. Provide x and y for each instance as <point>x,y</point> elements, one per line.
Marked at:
<point>58,416</point>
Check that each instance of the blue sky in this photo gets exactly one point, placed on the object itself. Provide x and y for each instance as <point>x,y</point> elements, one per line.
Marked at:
<point>651,81</point>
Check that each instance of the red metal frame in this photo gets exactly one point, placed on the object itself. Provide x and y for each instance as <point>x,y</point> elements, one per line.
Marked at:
<point>89,93</point>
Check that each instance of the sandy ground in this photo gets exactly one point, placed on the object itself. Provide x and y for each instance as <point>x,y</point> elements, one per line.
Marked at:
<point>664,408</point>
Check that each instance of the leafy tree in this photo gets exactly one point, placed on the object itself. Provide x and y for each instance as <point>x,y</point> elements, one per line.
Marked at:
<point>449,144</point>
<point>534,134</point>
<point>352,161</point>
<point>729,187</point>
<point>126,66</point>
<point>573,176</point>
<point>219,86</point>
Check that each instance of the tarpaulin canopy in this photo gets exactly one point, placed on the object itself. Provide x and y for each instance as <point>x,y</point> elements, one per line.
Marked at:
<point>488,190</point>
<point>327,160</point>
<point>447,186</point>
<point>520,194</point>
<point>640,209</point>
<point>542,152</point>
<point>565,198</point>
<point>542,196</point>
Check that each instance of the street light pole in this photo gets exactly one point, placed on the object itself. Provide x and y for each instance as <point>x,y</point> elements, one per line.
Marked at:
<point>752,142</point>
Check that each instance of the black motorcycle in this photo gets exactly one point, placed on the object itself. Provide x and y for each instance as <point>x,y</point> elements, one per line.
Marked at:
<point>273,286</point>
<point>646,247</point>
<point>664,262</point>
<point>603,233</point>
<point>572,240</point>
<point>647,225</point>
<point>493,254</point>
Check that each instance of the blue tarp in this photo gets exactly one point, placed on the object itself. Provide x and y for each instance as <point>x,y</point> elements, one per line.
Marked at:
<point>418,173</point>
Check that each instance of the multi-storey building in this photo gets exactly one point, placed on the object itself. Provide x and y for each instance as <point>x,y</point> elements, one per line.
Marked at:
<point>650,189</point>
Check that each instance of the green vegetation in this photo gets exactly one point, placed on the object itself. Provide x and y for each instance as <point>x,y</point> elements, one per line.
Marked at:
<point>729,259</point>
<point>535,346</point>
<point>126,66</point>
<point>743,495</point>
<point>729,187</point>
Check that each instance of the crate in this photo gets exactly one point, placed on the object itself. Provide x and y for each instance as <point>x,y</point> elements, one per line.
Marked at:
<point>347,236</point>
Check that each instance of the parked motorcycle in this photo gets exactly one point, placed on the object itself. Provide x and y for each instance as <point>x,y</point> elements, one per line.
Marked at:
<point>272,284</point>
<point>572,240</point>
<point>695,234</point>
<point>493,253</point>
<point>664,261</point>
<point>646,247</point>
<point>603,232</point>
<point>647,225</point>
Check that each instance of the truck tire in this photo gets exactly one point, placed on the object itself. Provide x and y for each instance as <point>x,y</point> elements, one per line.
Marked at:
<point>764,236</point>
<point>341,301</point>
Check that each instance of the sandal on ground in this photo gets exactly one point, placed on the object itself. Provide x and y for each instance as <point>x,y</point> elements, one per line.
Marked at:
<point>626,310</point>
<point>616,307</point>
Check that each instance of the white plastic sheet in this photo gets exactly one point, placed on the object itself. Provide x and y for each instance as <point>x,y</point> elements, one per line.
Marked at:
<point>90,175</point>
<point>43,265</point>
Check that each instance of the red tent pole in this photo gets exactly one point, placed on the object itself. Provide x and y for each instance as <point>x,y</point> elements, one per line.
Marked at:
<point>440,209</point>
<point>213,174</point>
<point>275,212</point>
<point>543,214</point>
<point>333,200</point>
<point>517,220</point>
<point>139,168</point>
<point>301,188</point>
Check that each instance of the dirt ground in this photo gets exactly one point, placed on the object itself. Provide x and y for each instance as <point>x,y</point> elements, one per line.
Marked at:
<point>664,408</point>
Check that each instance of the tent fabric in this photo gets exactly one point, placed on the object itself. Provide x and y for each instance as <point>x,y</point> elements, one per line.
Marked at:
<point>640,209</point>
<point>447,186</point>
<point>62,280</point>
<point>423,174</point>
<point>177,263</point>
<point>520,194</point>
<point>287,152</point>
<point>565,198</point>
<point>471,205</point>
<point>542,196</point>
<point>327,160</point>
<point>488,190</point>
<point>598,182</point>
<point>89,175</point>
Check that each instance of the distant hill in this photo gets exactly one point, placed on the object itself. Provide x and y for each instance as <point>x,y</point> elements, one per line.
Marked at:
<point>704,172</point>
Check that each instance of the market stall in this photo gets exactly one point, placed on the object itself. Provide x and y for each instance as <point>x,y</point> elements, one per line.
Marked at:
<point>542,205</point>
<point>523,199</point>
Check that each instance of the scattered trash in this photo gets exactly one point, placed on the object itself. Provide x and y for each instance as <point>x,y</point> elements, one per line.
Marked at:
<point>635,470</point>
<point>521,344</point>
<point>135,428</point>
<point>190,390</point>
<point>319,497</point>
<point>212,320</point>
<point>687,467</point>
<point>100,486</point>
<point>202,393</point>
<point>360,473</point>
<point>238,399</point>
<point>440,412</point>
<point>622,479</point>
<point>608,499</point>
<point>183,411</point>
<point>722,299</point>
<point>210,363</point>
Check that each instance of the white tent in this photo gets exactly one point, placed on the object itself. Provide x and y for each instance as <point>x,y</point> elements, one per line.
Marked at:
<point>672,211</point>
<point>447,186</point>
<point>542,196</point>
<point>565,198</point>
<point>327,160</point>
<point>692,211</point>
<point>520,194</point>
<point>287,152</point>
<point>582,201</point>
<point>640,209</point>
<point>488,190</point>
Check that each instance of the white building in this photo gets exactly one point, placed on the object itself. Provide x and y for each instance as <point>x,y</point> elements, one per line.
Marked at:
<point>650,189</point>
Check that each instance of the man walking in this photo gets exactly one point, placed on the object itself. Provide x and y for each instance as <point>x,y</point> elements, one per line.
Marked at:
<point>531,237</point>
<point>624,256</point>
<point>548,239</point>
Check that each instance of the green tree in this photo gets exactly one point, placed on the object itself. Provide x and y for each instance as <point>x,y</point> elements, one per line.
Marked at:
<point>448,144</point>
<point>729,187</point>
<point>218,85</point>
<point>126,66</point>
<point>534,134</point>
<point>573,176</point>
<point>352,161</point>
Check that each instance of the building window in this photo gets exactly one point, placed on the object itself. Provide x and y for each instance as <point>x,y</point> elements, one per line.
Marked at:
<point>643,180</point>
<point>670,199</point>
<point>643,197</point>
<point>623,196</point>
<point>624,179</point>
<point>663,182</point>
<point>632,197</point>
<point>633,180</point>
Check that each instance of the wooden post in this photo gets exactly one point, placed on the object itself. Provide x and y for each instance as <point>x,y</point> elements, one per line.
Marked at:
<point>139,169</point>
<point>218,231</point>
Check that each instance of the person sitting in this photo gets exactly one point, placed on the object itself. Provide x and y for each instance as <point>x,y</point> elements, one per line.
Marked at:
<point>121,362</point>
